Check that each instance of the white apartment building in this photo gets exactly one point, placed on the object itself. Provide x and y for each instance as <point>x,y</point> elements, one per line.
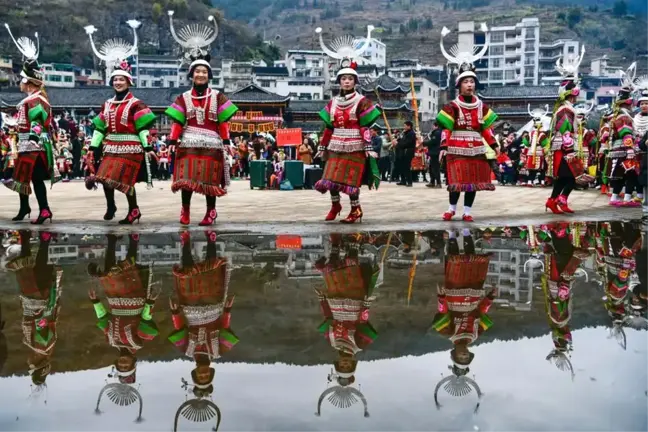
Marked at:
<point>375,54</point>
<point>277,80</point>
<point>427,96</point>
<point>565,49</point>
<point>515,55</point>
<point>58,75</point>
<point>306,64</point>
<point>600,68</point>
<point>155,71</point>
<point>238,74</point>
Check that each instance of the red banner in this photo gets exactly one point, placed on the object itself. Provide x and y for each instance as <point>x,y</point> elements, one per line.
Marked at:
<point>289,137</point>
<point>289,242</point>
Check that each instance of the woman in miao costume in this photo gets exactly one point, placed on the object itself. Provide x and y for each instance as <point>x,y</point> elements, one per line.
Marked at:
<point>35,160</point>
<point>200,124</point>
<point>467,132</point>
<point>535,146</point>
<point>622,166</point>
<point>346,142</point>
<point>563,162</point>
<point>120,138</point>
<point>201,314</point>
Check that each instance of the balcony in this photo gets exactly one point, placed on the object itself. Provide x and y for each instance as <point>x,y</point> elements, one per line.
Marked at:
<point>514,53</point>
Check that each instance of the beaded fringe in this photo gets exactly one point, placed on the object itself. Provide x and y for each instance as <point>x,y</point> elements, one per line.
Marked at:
<point>324,186</point>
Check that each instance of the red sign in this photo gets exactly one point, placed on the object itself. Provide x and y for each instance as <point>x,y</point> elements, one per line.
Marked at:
<point>289,242</point>
<point>289,137</point>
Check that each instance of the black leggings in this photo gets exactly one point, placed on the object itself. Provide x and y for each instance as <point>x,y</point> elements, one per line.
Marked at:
<point>110,198</point>
<point>39,176</point>
<point>630,181</point>
<point>187,257</point>
<point>564,184</point>
<point>469,198</point>
<point>468,243</point>
<point>186,199</point>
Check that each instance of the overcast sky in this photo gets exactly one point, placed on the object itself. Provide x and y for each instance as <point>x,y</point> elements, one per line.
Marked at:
<point>522,392</point>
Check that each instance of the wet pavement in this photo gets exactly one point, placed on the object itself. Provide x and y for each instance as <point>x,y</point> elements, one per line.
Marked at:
<point>302,211</point>
<point>505,328</point>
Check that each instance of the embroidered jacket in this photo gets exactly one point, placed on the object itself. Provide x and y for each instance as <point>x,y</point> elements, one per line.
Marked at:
<point>621,134</point>
<point>466,127</point>
<point>347,120</point>
<point>123,126</point>
<point>563,128</point>
<point>201,121</point>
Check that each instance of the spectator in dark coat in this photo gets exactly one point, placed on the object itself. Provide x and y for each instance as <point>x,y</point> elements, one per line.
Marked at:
<point>434,148</point>
<point>407,146</point>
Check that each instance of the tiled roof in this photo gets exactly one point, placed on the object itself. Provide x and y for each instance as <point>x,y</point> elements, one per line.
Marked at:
<point>252,93</point>
<point>270,71</point>
<point>500,111</point>
<point>519,92</point>
<point>307,106</point>
<point>94,97</point>
<point>389,105</point>
<point>384,83</point>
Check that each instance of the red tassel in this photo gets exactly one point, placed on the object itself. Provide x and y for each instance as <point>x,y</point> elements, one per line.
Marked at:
<point>353,65</point>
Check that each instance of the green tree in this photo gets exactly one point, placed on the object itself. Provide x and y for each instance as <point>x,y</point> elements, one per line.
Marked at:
<point>574,16</point>
<point>156,12</point>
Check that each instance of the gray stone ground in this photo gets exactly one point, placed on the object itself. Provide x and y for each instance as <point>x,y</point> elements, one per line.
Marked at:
<point>302,211</point>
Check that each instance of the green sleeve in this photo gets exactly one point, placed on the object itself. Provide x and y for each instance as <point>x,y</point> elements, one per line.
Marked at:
<point>37,114</point>
<point>97,139</point>
<point>100,309</point>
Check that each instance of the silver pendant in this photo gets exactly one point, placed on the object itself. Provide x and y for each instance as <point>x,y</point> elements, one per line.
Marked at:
<point>200,116</point>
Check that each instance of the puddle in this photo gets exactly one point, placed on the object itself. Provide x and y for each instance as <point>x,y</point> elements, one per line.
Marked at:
<point>509,325</point>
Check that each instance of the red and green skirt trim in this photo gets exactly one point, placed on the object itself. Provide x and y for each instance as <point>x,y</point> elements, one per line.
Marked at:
<point>126,280</point>
<point>468,174</point>
<point>122,171</point>
<point>200,170</point>
<point>23,172</point>
<point>203,283</point>
<point>343,172</point>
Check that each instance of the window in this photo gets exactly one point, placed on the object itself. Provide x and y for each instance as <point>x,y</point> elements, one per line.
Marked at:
<point>528,72</point>
<point>71,249</point>
<point>316,96</point>
<point>529,61</point>
<point>144,83</point>
<point>529,47</point>
<point>495,63</point>
<point>265,83</point>
<point>495,75</point>
<point>68,79</point>
<point>171,84</point>
<point>496,51</point>
<point>497,37</point>
<point>429,92</point>
<point>417,89</point>
<point>509,74</point>
<point>571,49</point>
<point>430,106</point>
<point>300,63</point>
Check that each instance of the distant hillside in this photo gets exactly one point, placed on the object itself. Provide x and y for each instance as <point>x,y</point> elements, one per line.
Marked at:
<point>411,28</point>
<point>60,25</point>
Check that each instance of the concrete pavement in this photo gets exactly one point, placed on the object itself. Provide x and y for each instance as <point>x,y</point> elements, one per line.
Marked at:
<point>390,208</point>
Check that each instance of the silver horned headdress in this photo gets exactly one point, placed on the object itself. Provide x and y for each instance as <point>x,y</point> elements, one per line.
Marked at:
<point>194,38</point>
<point>569,68</point>
<point>121,394</point>
<point>582,110</point>
<point>115,52</point>
<point>537,114</point>
<point>197,410</point>
<point>27,47</point>
<point>560,358</point>
<point>465,59</point>
<point>342,395</point>
<point>346,49</point>
<point>458,385</point>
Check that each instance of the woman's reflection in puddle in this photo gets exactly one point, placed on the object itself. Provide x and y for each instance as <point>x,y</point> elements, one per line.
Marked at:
<point>201,313</point>
<point>128,322</point>
<point>40,295</point>
<point>350,282</point>
<point>463,304</point>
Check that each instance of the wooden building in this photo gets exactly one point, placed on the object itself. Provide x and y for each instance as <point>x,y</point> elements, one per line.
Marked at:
<point>511,102</point>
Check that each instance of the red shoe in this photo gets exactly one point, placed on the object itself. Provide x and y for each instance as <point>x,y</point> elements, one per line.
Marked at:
<point>42,217</point>
<point>467,218</point>
<point>133,215</point>
<point>552,205</point>
<point>46,236</point>
<point>562,203</point>
<point>354,215</point>
<point>336,208</point>
<point>184,216</point>
<point>211,236</point>
<point>604,189</point>
<point>210,217</point>
<point>448,215</point>
<point>185,237</point>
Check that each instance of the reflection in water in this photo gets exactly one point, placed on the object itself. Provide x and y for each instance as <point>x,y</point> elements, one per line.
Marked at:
<point>40,293</point>
<point>128,321</point>
<point>463,307</point>
<point>201,314</point>
<point>472,278</point>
